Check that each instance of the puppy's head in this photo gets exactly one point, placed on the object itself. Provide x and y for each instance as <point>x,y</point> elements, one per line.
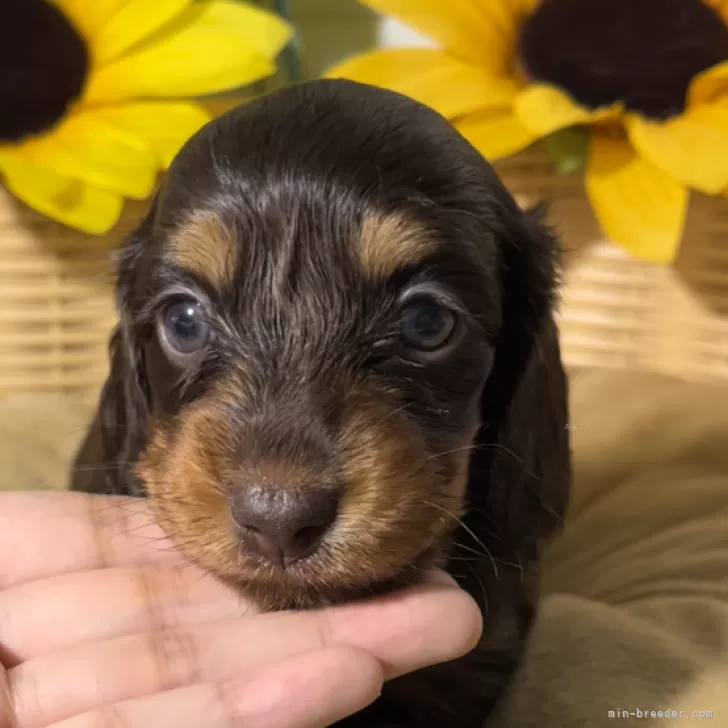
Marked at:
<point>326,318</point>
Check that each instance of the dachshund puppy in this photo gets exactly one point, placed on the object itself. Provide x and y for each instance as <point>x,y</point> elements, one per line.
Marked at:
<point>337,365</point>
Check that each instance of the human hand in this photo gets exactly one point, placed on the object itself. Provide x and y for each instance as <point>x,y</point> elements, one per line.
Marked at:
<point>103,623</point>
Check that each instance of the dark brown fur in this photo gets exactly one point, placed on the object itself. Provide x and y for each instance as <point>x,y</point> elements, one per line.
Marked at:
<point>338,198</point>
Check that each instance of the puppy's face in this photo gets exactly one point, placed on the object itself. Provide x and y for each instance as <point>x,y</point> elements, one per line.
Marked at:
<point>314,394</point>
<point>310,320</point>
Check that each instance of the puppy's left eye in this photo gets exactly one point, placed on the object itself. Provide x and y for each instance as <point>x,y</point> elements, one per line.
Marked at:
<point>184,327</point>
<point>427,325</point>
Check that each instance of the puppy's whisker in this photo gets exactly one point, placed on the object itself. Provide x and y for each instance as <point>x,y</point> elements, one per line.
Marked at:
<point>479,555</point>
<point>470,532</point>
<point>508,451</point>
<point>391,413</point>
<point>459,545</point>
<point>490,532</point>
<point>493,531</point>
<point>464,448</point>
<point>477,558</point>
<point>560,519</point>
<point>484,447</point>
<point>474,572</point>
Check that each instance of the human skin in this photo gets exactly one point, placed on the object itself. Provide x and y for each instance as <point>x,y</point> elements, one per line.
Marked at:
<point>103,623</point>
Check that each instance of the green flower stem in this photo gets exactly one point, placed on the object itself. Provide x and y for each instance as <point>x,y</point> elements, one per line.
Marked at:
<point>290,56</point>
<point>568,149</point>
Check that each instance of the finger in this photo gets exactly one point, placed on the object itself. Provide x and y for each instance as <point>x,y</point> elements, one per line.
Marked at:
<point>43,534</point>
<point>51,614</point>
<point>7,712</point>
<point>438,577</point>
<point>406,631</point>
<point>313,690</point>
<point>433,622</point>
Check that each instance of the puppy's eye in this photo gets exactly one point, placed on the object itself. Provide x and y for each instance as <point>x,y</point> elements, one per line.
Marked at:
<point>427,325</point>
<point>184,327</point>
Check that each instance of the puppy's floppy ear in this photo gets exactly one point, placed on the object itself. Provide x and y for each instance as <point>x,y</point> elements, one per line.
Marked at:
<point>118,431</point>
<point>521,470</point>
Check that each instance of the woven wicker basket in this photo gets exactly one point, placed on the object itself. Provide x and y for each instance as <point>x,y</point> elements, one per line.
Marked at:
<point>619,312</point>
<point>56,302</point>
<point>56,305</point>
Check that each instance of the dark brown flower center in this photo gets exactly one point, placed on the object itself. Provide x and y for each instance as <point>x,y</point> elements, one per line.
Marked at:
<point>43,65</point>
<point>641,52</point>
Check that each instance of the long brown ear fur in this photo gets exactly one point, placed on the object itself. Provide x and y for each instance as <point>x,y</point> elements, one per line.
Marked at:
<point>118,431</point>
<point>520,474</point>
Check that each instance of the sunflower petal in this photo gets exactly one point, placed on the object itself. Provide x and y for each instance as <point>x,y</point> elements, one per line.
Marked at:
<point>69,201</point>
<point>88,17</point>
<point>525,7</point>
<point>431,77</point>
<point>222,103</point>
<point>637,205</point>
<point>546,109</point>
<point>692,148</point>
<point>495,133</point>
<point>481,33</point>
<point>88,148</point>
<point>212,46</point>
<point>135,20</point>
<point>709,86</point>
<point>165,126</point>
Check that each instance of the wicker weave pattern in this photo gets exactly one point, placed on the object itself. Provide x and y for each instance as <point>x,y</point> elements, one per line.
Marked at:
<point>619,312</point>
<point>56,303</point>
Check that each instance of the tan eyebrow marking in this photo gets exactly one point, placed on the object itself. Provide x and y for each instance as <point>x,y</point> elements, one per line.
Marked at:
<point>207,247</point>
<point>390,242</point>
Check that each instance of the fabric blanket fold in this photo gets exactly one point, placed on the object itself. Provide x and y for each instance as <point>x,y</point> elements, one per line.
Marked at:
<point>633,625</point>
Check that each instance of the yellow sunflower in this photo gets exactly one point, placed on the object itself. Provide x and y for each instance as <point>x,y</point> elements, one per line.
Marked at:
<point>648,78</point>
<point>92,93</point>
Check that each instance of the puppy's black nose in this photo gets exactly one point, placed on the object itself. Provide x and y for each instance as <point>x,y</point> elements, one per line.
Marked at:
<point>283,525</point>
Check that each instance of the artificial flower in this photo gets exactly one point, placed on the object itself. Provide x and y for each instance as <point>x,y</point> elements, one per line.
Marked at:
<point>96,95</point>
<point>647,78</point>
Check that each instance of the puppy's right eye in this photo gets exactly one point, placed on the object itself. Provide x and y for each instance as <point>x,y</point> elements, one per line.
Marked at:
<point>183,327</point>
<point>426,325</point>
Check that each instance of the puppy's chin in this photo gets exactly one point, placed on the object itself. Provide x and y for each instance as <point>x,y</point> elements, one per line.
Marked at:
<point>273,588</point>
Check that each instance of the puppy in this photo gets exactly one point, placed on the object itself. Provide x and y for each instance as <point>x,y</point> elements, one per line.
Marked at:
<point>336,365</point>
